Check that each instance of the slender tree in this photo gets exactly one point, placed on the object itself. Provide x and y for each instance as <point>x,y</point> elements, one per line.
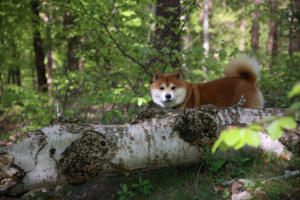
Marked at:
<point>14,71</point>
<point>243,26</point>
<point>72,42</point>
<point>294,36</point>
<point>206,28</point>
<point>38,48</point>
<point>167,31</point>
<point>255,26</point>
<point>47,20</point>
<point>272,40</point>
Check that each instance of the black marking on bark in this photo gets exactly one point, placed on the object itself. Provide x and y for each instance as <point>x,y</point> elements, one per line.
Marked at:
<point>52,151</point>
<point>51,154</point>
<point>38,142</point>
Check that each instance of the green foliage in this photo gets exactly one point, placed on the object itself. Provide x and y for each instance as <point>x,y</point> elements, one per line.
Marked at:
<point>238,137</point>
<point>143,187</point>
<point>28,104</point>
<point>125,192</point>
<point>295,91</point>
<point>37,195</point>
<point>216,165</point>
<point>275,129</point>
<point>240,166</point>
<point>112,87</point>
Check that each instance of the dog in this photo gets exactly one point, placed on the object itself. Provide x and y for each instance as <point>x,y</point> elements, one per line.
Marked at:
<point>241,74</point>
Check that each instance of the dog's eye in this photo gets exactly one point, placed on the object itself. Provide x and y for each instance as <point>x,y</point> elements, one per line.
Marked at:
<point>162,88</point>
<point>173,88</point>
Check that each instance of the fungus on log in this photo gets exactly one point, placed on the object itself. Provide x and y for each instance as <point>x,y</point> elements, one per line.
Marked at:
<point>74,152</point>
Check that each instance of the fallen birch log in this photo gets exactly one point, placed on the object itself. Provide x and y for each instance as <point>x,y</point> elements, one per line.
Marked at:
<point>75,152</point>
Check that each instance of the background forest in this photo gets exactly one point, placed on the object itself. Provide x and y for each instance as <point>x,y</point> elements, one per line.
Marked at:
<point>94,59</point>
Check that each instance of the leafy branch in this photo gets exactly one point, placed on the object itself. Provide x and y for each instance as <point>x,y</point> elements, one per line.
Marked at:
<point>105,26</point>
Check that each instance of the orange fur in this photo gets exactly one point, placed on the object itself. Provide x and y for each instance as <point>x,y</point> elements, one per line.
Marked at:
<point>240,79</point>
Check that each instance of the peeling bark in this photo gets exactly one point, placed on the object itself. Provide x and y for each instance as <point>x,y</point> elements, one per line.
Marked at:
<point>73,152</point>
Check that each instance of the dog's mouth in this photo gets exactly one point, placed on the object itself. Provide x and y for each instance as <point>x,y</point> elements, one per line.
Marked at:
<point>167,101</point>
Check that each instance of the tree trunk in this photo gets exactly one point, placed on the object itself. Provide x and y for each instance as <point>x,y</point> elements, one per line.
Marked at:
<point>186,43</point>
<point>206,28</point>
<point>243,30</point>
<point>167,36</point>
<point>255,26</point>
<point>14,71</point>
<point>73,152</point>
<point>14,76</point>
<point>47,20</point>
<point>72,42</point>
<point>294,45</point>
<point>38,49</point>
<point>272,41</point>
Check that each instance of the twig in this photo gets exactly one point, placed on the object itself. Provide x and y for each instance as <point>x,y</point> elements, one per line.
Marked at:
<point>114,40</point>
<point>287,174</point>
<point>241,102</point>
<point>240,180</point>
<point>188,16</point>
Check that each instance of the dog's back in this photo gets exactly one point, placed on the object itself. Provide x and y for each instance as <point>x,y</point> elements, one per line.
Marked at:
<point>240,79</point>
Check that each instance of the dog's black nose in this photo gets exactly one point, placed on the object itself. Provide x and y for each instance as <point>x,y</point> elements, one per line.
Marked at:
<point>168,96</point>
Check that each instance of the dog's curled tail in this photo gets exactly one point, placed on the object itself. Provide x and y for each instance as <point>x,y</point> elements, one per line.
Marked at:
<point>243,67</point>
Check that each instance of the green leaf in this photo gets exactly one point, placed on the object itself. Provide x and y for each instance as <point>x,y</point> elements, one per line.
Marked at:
<point>218,164</point>
<point>295,106</point>
<point>140,101</point>
<point>252,138</point>
<point>124,188</point>
<point>274,130</point>
<point>223,147</point>
<point>232,137</point>
<point>256,127</point>
<point>270,119</point>
<point>295,90</point>
<point>287,122</point>
<point>242,141</point>
<point>219,141</point>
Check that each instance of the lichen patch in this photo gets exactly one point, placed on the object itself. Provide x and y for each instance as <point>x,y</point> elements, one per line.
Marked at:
<point>198,126</point>
<point>86,157</point>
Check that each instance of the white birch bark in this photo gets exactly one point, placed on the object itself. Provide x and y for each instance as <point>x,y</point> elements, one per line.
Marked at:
<point>74,152</point>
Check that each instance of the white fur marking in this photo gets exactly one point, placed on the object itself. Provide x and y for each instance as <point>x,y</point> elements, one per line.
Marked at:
<point>177,96</point>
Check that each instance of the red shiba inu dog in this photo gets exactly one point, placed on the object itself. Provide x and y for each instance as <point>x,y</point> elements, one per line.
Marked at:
<point>171,91</point>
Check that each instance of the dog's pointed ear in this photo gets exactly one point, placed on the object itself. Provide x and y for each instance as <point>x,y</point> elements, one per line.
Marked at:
<point>156,75</point>
<point>178,74</point>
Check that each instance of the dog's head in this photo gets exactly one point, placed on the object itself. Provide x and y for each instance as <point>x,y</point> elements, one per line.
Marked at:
<point>168,90</point>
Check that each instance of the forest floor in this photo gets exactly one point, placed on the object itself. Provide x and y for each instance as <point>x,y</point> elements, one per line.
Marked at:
<point>10,129</point>
<point>204,180</point>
